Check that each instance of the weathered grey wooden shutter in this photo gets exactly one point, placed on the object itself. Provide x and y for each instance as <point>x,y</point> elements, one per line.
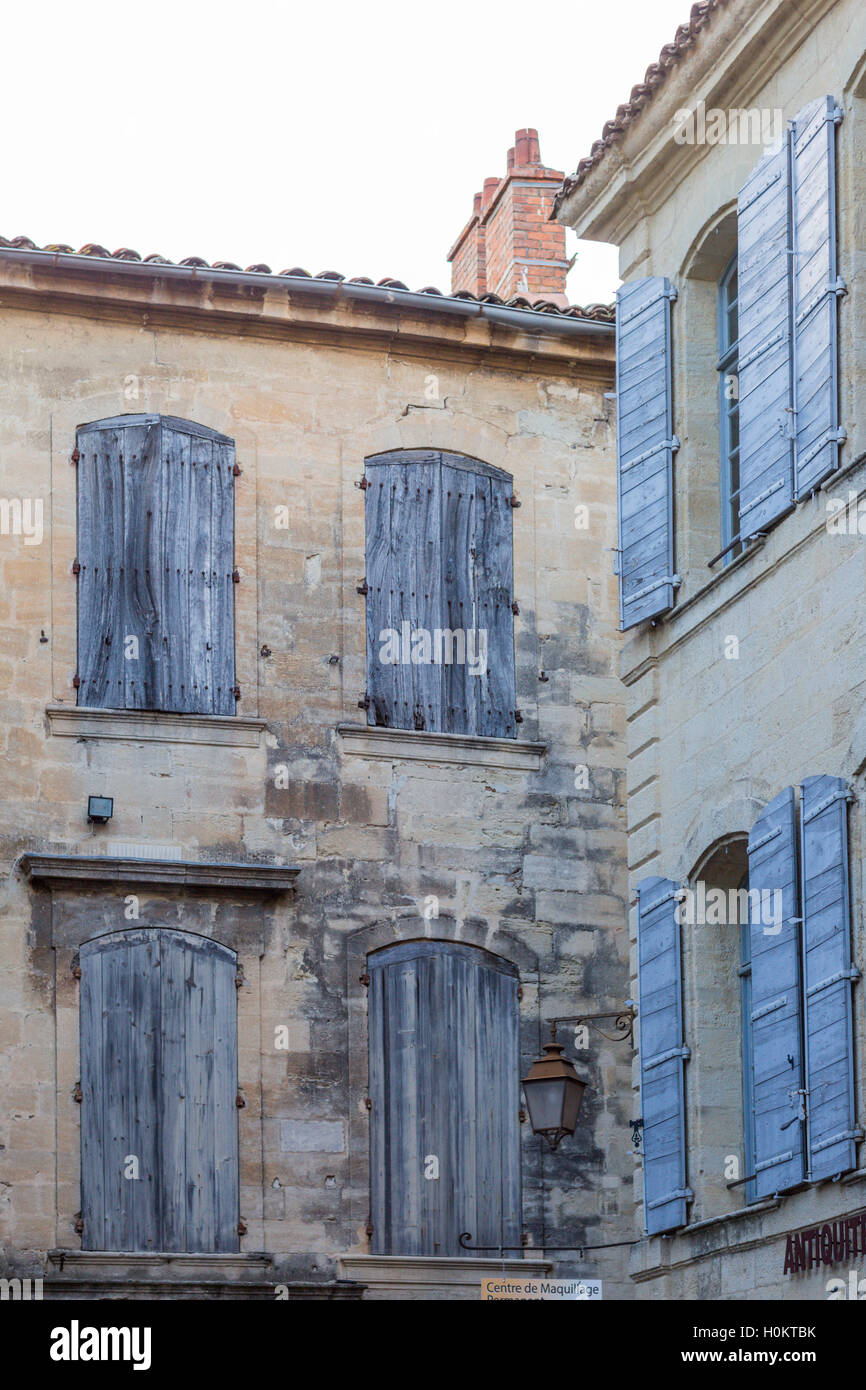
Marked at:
<point>828,975</point>
<point>159,1085</point>
<point>765,355</point>
<point>662,1055</point>
<point>478,695</point>
<point>155,549</point>
<point>645,449</point>
<point>444,1077</point>
<point>439,594</point>
<point>777,1061</point>
<point>817,287</point>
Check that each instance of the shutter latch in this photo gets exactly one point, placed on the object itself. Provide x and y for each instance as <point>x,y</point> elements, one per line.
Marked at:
<point>74,456</point>
<point>518,717</point>
<point>363,483</point>
<point>362,588</point>
<point>240,1101</point>
<point>236,691</point>
<point>512,501</point>
<point>236,576</point>
<point>76,567</point>
<point>364,703</point>
<point>242,1228</point>
<point>515,607</point>
<point>365,979</point>
<point>76,680</point>
<point>77,1094</point>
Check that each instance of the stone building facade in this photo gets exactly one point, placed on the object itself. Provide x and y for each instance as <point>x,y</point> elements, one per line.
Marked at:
<point>732,181</point>
<point>266,832</point>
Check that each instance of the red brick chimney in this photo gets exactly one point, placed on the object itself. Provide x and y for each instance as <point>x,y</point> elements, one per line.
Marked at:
<point>508,247</point>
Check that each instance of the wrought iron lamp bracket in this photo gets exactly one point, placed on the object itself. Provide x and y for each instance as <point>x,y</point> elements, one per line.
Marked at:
<point>623,1023</point>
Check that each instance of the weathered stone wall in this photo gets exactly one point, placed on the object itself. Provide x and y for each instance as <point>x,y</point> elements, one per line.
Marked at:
<point>521,859</point>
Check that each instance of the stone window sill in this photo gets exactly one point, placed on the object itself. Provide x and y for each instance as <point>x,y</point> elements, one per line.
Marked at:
<point>398,745</point>
<point>143,726</point>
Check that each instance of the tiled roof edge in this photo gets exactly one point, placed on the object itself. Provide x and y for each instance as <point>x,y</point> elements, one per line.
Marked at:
<point>641,95</point>
<point>597,313</point>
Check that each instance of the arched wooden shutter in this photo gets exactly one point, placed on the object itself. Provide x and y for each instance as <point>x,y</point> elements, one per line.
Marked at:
<point>159,1086</point>
<point>817,286</point>
<point>155,550</point>
<point>777,1058</point>
<point>662,1055</point>
<point>828,976</point>
<point>439,594</point>
<point>444,1086</point>
<point>645,449</point>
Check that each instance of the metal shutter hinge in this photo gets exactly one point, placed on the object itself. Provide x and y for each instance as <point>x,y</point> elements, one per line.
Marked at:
<point>512,501</point>
<point>520,991</point>
<point>78,1223</point>
<point>242,1228</point>
<point>368,1104</point>
<point>363,483</point>
<point>239,977</point>
<point>368,1228</point>
<point>515,607</point>
<point>236,471</point>
<point>236,576</point>
<point>76,1093</point>
<point>364,702</point>
<point>76,680</point>
<point>76,567</point>
<point>240,1101</point>
<point>362,588</point>
<point>236,691</point>
<point>521,1115</point>
<point>365,979</point>
<point>518,717</point>
<point>74,456</point>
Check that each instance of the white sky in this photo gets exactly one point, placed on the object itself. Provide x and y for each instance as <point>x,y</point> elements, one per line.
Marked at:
<point>329,135</point>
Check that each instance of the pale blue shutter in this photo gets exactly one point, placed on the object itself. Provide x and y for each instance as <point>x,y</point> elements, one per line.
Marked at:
<point>765,362</point>
<point>662,1055</point>
<point>816,291</point>
<point>645,449</point>
<point>828,976</point>
<point>776,1051</point>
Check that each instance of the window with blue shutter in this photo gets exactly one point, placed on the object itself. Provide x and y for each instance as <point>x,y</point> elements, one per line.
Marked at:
<point>828,977</point>
<point>788,291</point>
<point>662,1055</point>
<point>645,449</point>
<point>777,1056</point>
<point>816,290</point>
<point>440,626</point>
<point>155,566</point>
<point>765,362</point>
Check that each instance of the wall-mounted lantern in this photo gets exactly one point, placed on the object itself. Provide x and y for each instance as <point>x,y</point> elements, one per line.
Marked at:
<point>100,809</point>
<point>553,1089</point>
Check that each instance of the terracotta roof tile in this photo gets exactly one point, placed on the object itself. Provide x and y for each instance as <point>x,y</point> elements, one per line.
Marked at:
<point>641,94</point>
<point>602,313</point>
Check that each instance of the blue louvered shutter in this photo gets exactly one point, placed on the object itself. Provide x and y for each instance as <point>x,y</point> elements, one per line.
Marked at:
<point>777,1063</point>
<point>662,1055</point>
<point>645,449</point>
<point>828,975</point>
<point>816,291</point>
<point>765,357</point>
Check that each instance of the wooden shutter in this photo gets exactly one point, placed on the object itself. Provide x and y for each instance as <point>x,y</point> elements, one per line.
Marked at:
<point>155,549</point>
<point>645,449</point>
<point>439,560</point>
<point>159,1082</point>
<point>444,1079</point>
<point>777,1064</point>
<point>765,361</point>
<point>828,975</point>
<point>816,290</point>
<point>662,1055</point>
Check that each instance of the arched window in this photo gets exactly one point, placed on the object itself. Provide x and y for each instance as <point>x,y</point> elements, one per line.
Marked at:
<point>444,1078</point>
<point>729,409</point>
<point>155,566</point>
<point>159,1062</point>
<point>440,639</point>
